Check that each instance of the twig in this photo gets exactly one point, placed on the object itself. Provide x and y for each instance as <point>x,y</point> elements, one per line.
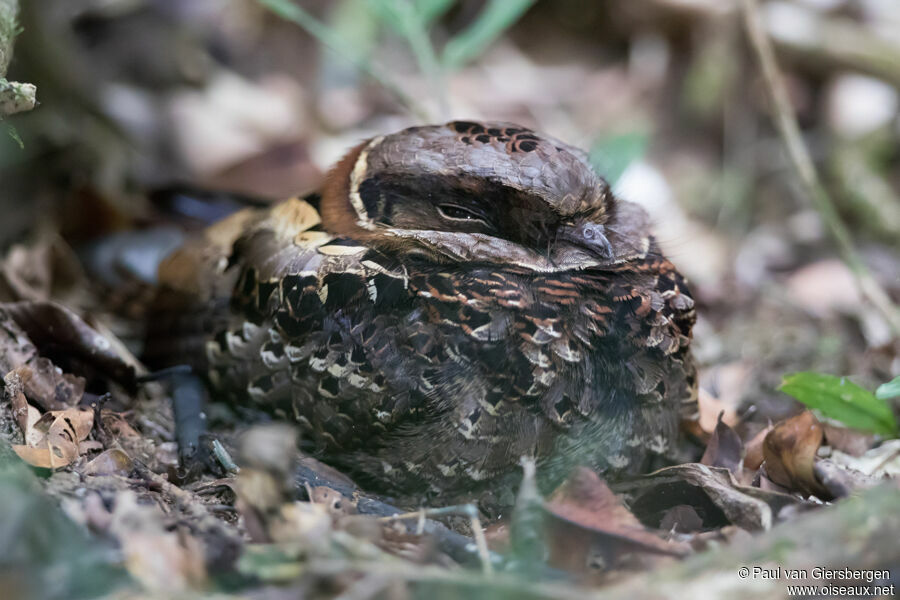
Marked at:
<point>786,123</point>
<point>14,96</point>
<point>291,12</point>
<point>456,546</point>
<point>467,510</point>
<point>481,544</point>
<point>500,585</point>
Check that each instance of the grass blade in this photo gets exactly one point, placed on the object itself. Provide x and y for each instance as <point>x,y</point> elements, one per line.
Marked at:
<point>494,19</point>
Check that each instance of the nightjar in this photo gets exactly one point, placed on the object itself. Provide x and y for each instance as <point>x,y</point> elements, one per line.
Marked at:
<point>454,297</point>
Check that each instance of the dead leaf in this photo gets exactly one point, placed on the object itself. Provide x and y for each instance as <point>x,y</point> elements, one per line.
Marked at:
<point>65,430</point>
<point>591,529</point>
<point>681,518</point>
<point>849,441</point>
<point>36,457</point>
<point>790,453</point>
<point>33,435</point>
<point>48,387</point>
<point>722,390</point>
<point>724,448</point>
<point>110,462</point>
<point>753,457</point>
<point>77,421</point>
<point>42,270</point>
<point>713,492</point>
<point>116,425</point>
<point>336,503</point>
<point>841,481</point>
<point>50,324</point>
<point>880,462</point>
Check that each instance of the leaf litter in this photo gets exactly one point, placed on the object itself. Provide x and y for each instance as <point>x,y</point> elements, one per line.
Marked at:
<point>264,524</point>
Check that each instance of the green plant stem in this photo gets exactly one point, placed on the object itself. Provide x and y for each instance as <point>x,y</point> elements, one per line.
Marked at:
<point>291,12</point>
<point>786,123</point>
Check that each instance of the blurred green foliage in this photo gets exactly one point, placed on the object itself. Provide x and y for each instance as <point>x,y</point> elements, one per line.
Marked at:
<point>44,554</point>
<point>412,20</point>
<point>611,155</point>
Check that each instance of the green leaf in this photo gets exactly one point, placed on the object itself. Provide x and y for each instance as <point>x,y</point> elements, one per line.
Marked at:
<point>611,155</point>
<point>840,399</point>
<point>889,390</point>
<point>494,19</point>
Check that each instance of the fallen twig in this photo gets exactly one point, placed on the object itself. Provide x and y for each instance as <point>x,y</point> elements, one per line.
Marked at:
<point>786,123</point>
<point>467,510</point>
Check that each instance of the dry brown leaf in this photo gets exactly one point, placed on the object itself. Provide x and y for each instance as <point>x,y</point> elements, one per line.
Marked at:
<point>722,390</point>
<point>55,438</point>
<point>38,271</point>
<point>848,441</point>
<point>36,457</point>
<point>592,530</point>
<point>335,502</point>
<point>880,462</point>
<point>790,453</point>
<point>724,449</point>
<point>110,462</point>
<point>51,324</point>
<point>714,492</point>
<point>48,387</point>
<point>33,435</point>
<point>116,425</point>
<point>753,457</point>
<point>682,518</point>
<point>77,421</point>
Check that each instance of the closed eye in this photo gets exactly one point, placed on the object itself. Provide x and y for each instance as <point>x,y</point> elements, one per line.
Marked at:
<point>454,212</point>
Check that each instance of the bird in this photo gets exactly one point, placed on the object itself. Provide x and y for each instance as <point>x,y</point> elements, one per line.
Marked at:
<point>453,298</point>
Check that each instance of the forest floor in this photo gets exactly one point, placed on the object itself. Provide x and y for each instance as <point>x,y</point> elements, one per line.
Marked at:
<point>792,464</point>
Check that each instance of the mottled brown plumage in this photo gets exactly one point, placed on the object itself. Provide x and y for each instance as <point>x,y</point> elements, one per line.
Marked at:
<point>456,297</point>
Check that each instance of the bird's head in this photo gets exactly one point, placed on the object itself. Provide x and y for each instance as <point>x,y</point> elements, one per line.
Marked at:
<point>469,192</point>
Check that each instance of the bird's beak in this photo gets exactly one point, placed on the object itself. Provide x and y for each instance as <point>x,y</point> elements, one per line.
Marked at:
<point>590,236</point>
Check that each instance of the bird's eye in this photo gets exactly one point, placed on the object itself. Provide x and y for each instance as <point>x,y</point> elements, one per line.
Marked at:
<point>460,213</point>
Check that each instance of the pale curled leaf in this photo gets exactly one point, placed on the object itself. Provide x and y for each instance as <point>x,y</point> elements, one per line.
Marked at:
<point>110,462</point>
<point>889,390</point>
<point>55,439</point>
